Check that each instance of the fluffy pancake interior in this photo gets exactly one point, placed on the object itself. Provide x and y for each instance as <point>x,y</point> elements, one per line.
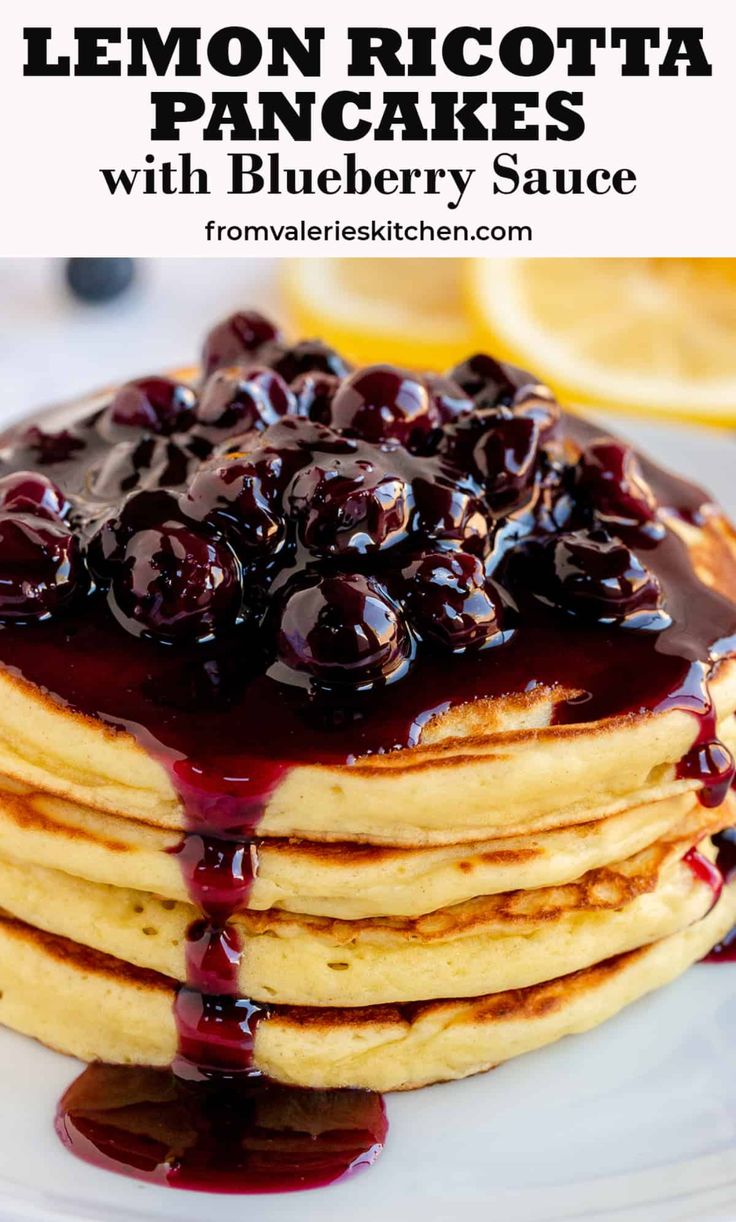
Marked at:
<point>338,880</point>
<point>485,945</point>
<point>97,1008</point>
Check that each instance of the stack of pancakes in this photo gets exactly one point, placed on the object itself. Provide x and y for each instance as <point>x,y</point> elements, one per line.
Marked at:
<point>417,916</point>
<point>413,916</point>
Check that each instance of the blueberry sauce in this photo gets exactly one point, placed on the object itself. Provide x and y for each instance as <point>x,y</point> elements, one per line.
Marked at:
<point>725,951</point>
<point>711,763</point>
<point>298,564</point>
<point>706,872</point>
<point>253,1136</point>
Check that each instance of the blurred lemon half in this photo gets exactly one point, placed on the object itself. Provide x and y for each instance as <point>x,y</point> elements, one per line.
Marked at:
<point>650,336</point>
<point>409,312</point>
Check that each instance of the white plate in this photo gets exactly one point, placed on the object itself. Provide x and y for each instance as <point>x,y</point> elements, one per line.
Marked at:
<point>636,1120</point>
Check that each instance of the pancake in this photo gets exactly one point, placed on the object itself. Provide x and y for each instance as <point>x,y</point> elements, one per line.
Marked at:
<point>347,881</point>
<point>483,946</point>
<point>98,1008</point>
<point>457,694</point>
<point>498,755</point>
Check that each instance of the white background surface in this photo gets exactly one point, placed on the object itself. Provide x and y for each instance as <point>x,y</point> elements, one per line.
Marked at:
<point>58,132</point>
<point>635,1121</point>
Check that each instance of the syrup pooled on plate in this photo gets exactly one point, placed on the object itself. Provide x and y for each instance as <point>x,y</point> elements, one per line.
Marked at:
<point>299,563</point>
<point>219,1136</point>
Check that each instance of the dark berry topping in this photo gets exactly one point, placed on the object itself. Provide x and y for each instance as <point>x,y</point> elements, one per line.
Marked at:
<point>498,449</point>
<point>149,462</point>
<point>540,404</point>
<point>41,568</point>
<point>308,356</point>
<point>144,510</point>
<point>381,402</point>
<point>234,340</point>
<point>314,394</point>
<point>447,399</point>
<point>241,498</point>
<point>156,405</point>
<point>450,600</point>
<point>174,584</point>
<point>98,280</point>
<point>504,459</point>
<point>297,440</point>
<point>235,401</point>
<point>351,503</point>
<point>610,479</point>
<point>590,574</point>
<point>449,507</point>
<point>341,631</point>
<point>490,383</point>
<point>29,492</point>
<point>49,449</point>
<point>334,517</point>
<point>555,506</point>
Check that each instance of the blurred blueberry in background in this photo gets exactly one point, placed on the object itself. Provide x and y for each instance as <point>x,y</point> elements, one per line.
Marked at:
<point>99,280</point>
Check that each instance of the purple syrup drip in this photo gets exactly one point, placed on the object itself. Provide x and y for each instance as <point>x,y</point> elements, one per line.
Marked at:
<point>218,873</point>
<point>216,1034</point>
<point>247,1135</point>
<point>710,762</point>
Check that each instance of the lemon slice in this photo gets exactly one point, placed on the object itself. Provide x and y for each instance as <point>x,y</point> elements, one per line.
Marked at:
<point>408,312</point>
<point>650,336</point>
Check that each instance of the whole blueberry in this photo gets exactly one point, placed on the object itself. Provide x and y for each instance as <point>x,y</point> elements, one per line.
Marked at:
<point>99,280</point>
<point>153,405</point>
<point>451,601</point>
<point>33,493</point>
<point>341,631</point>
<point>350,503</point>
<point>592,575</point>
<point>381,401</point>
<point>174,584</point>
<point>236,339</point>
<point>41,567</point>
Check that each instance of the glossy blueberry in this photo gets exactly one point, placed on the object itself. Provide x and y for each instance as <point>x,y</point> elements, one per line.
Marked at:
<point>174,584</point>
<point>504,458</point>
<point>41,568</point>
<point>235,401</point>
<point>143,510</point>
<point>235,340</point>
<point>489,382</point>
<point>539,403</point>
<point>497,448</point>
<point>341,631</point>
<point>381,402</point>
<point>350,503</point>
<point>447,399</point>
<point>308,356</point>
<point>590,574</point>
<point>241,497</point>
<point>314,392</point>
<point>32,493</point>
<point>610,478</point>
<point>156,405</point>
<point>449,507</point>
<point>450,600</point>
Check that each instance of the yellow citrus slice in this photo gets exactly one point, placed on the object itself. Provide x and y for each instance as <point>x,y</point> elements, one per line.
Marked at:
<point>651,336</point>
<point>408,312</point>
